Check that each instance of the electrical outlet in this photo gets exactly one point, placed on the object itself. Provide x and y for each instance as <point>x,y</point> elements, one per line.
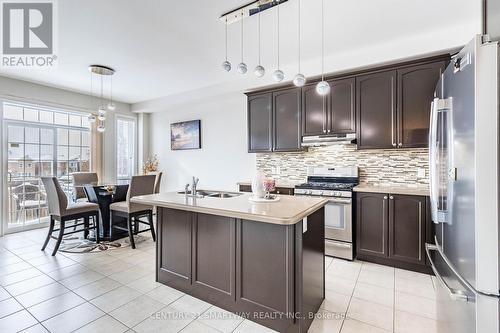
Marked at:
<point>278,170</point>
<point>420,173</point>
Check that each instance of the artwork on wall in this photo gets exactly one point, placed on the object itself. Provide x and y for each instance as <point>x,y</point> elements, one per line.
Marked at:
<point>185,135</point>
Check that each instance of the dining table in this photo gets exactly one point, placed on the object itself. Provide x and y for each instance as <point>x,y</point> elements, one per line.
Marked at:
<point>104,195</point>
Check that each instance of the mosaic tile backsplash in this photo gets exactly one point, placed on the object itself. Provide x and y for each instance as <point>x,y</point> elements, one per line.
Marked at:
<point>377,167</point>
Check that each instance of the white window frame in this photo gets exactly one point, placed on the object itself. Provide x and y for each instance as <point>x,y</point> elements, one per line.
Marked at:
<point>134,140</point>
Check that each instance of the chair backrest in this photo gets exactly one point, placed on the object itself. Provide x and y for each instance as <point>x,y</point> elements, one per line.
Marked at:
<point>56,198</point>
<point>141,185</point>
<point>83,178</point>
<point>158,182</point>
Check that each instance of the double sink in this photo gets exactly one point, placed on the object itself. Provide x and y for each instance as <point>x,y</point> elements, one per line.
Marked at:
<point>212,194</point>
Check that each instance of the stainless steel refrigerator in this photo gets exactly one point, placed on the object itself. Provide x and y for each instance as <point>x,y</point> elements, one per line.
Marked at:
<point>463,158</point>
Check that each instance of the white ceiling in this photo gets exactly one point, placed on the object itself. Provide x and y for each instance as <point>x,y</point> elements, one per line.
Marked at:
<point>168,52</point>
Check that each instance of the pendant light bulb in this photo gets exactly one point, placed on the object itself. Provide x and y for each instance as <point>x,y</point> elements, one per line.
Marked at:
<point>226,65</point>
<point>299,80</point>
<point>101,128</point>
<point>323,88</point>
<point>278,75</point>
<point>111,106</point>
<point>242,68</point>
<point>259,71</point>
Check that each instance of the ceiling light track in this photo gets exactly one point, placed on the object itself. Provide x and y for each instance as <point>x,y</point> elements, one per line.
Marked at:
<point>248,10</point>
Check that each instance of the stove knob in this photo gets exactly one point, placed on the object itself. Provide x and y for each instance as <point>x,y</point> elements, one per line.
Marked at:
<point>321,193</point>
<point>310,192</point>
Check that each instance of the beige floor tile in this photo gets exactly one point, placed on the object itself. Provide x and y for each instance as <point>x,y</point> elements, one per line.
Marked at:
<point>9,259</point>
<point>112,267</point>
<point>190,306</point>
<point>28,285</point>
<point>165,294</point>
<point>73,319</point>
<point>369,266</point>
<point>335,302</point>
<point>339,285</point>
<point>354,326</point>
<point>78,280</point>
<point>105,324</point>
<point>115,298</point>
<point>13,268</point>
<point>41,294</point>
<point>220,319</point>
<point>248,326</point>
<point>4,294</point>
<point>326,322</point>
<point>131,274</point>
<point>328,261</point>
<point>371,313</point>
<point>17,322</point>
<point>35,329</point>
<point>55,306</point>
<point>375,294</point>
<point>344,269</point>
<point>135,311</point>
<point>410,323</point>
<point>404,274</point>
<point>55,265</point>
<point>145,284</point>
<point>379,278</point>
<point>417,287</point>
<point>97,288</point>
<point>421,306</point>
<point>198,327</point>
<point>9,306</point>
<point>67,272</point>
<point>167,320</point>
<point>26,274</point>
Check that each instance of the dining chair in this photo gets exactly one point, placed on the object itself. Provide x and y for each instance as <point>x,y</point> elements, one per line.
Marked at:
<point>62,211</point>
<point>139,185</point>
<point>79,180</point>
<point>158,182</point>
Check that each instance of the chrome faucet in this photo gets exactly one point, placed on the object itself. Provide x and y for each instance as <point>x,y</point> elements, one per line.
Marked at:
<point>194,185</point>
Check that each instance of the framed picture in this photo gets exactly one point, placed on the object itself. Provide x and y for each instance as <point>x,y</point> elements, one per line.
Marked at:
<point>185,135</point>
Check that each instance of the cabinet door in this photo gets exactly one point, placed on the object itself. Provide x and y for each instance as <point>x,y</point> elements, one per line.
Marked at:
<point>342,108</point>
<point>407,215</point>
<point>416,85</point>
<point>375,110</point>
<point>259,123</point>
<point>371,224</point>
<point>286,110</point>
<point>314,111</point>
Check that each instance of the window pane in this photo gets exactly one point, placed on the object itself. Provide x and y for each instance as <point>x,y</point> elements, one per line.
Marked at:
<point>46,117</point>
<point>74,138</point>
<point>16,151</point>
<point>16,134</point>
<point>73,166</point>
<point>85,122</point>
<point>61,118</point>
<point>32,134</point>
<point>62,153</point>
<point>85,166</point>
<point>46,153</point>
<point>44,168</point>
<point>85,138</point>
<point>30,114</point>
<point>15,170</point>
<point>12,112</point>
<point>46,136</point>
<point>86,154</point>
<point>125,133</point>
<point>74,153</point>
<point>32,153</point>
<point>62,170</point>
<point>62,136</point>
<point>75,120</point>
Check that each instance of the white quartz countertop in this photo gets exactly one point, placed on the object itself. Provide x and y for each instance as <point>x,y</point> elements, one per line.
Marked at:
<point>288,210</point>
<point>393,189</point>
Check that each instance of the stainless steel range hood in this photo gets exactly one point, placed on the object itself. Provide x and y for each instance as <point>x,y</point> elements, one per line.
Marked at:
<point>316,140</point>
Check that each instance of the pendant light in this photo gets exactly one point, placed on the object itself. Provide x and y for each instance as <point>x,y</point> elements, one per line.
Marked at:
<point>278,74</point>
<point>111,104</point>
<point>101,112</point>
<point>299,80</point>
<point>242,67</point>
<point>323,88</point>
<point>226,65</point>
<point>259,71</point>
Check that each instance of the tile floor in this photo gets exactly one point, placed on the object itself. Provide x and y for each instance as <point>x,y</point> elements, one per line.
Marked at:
<point>115,291</point>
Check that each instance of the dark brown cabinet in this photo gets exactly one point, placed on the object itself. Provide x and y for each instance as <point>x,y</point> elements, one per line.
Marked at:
<point>278,190</point>
<point>416,85</point>
<point>274,121</point>
<point>332,114</point>
<point>392,229</point>
<point>376,110</point>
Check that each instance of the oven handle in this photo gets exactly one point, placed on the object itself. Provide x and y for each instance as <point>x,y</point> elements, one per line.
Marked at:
<point>340,201</point>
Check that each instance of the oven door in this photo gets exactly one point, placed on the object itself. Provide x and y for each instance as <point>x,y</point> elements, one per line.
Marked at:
<point>338,219</point>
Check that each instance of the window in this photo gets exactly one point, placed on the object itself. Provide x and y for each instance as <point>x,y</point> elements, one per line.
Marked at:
<point>125,149</point>
<point>41,142</point>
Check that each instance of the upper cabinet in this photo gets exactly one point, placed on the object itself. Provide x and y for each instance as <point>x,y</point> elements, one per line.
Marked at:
<point>274,121</point>
<point>416,85</point>
<point>332,114</point>
<point>376,110</point>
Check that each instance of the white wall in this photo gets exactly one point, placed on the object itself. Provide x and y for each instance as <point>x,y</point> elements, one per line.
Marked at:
<point>223,159</point>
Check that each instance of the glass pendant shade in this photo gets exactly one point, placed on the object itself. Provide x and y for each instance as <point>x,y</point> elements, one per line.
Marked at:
<point>323,88</point>
<point>101,117</point>
<point>242,68</point>
<point>101,128</point>
<point>92,119</point>
<point>259,71</point>
<point>226,65</point>
<point>111,106</point>
<point>278,75</point>
<point>102,110</point>
<point>299,80</point>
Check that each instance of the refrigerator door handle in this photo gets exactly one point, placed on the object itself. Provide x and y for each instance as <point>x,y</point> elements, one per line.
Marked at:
<point>432,161</point>
<point>455,294</point>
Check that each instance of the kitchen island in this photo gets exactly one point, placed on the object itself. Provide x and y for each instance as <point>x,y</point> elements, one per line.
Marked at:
<point>264,261</point>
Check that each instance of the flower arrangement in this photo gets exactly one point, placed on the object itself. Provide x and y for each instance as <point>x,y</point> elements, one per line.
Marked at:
<point>269,186</point>
<point>151,164</point>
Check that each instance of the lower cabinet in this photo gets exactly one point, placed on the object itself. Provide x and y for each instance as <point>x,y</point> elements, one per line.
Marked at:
<point>392,229</point>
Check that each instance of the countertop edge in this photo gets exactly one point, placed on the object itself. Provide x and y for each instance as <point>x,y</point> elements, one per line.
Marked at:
<point>228,213</point>
<point>392,190</point>
<point>278,184</point>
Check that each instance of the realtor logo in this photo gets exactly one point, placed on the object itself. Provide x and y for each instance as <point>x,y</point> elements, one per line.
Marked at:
<point>28,34</point>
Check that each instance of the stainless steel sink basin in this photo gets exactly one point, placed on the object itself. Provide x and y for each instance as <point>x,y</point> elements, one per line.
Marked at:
<point>213,194</point>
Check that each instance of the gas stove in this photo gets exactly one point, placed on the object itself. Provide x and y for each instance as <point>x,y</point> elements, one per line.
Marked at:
<point>329,182</point>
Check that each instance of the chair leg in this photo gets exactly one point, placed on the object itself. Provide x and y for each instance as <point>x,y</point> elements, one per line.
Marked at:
<point>151,226</point>
<point>51,229</point>
<point>59,238</point>
<point>96,223</point>
<point>74,226</point>
<point>136,227</point>
<point>130,233</point>
<point>86,225</point>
